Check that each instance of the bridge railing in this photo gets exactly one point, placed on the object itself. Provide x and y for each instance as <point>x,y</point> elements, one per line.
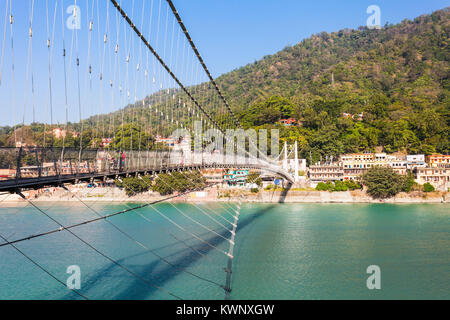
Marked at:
<point>35,162</point>
<point>23,164</point>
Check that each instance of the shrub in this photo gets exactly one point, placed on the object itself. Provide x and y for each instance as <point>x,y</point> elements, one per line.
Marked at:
<point>353,185</point>
<point>428,187</point>
<point>322,186</point>
<point>340,186</point>
<point>254,190</point>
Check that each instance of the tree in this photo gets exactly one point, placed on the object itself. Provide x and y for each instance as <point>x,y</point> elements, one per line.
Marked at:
<point>340,186</point>
<point>135,185</point>
<point>382,182</point>
<point>428,187</point>
<point>130,137</point>
<point>166,184</point>
<point>269,112</point>
<point>408,182</point>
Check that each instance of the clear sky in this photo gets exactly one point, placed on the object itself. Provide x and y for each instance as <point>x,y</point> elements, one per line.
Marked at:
<point>228,33</point>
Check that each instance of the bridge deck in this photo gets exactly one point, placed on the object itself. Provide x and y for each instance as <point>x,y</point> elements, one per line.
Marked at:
<point>14,185</point>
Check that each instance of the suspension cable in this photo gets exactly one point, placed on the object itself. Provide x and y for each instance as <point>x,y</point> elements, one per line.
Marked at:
<point>161,61</point>
<point>94,220</point>
<point>4,40</point>
<point>42,268</point>
<point>164,229</point>
<point>137,276</point>
<point>183,27</point>
<point>139,243</point>
<point>201,210</point>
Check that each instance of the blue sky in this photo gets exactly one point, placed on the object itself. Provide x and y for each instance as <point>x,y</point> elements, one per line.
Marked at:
<point>228,33</point>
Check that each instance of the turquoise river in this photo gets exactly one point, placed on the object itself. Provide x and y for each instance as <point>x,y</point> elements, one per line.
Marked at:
<point>283,251</point>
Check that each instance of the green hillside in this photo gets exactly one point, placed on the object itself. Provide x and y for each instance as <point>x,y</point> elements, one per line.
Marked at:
<point>397,78</point>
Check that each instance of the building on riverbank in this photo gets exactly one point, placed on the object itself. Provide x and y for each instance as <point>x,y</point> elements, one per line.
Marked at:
<point>352,166</point>
<point>436,160</point>
<point>355,165</point>
<point>236,177</point>
<point>213,176</point>
<point>435,171</point>
<point>438,176</point>
<point>416,161</point>
<point>324,172</point>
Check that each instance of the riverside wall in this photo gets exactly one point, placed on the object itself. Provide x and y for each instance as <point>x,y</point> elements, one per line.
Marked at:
<point>213,195</point>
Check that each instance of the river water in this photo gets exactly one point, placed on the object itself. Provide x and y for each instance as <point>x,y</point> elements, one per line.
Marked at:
<point>283,251</point>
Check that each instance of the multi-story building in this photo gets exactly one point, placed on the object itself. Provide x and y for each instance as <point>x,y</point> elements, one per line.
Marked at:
<point>399,166</point>
<point>438,159</point>
<point>326,172</point>
<point>357,159</point>
<point>236,177</point>
<point>415,161</point>
<point>47,169</point>
<point>354,165</point>
<point>213,175</point>
<point>438,176</point>
<point>170,142</point>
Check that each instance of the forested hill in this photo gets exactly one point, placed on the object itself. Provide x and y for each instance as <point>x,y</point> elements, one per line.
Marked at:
<point>393,61</point>
<point>398,77</point>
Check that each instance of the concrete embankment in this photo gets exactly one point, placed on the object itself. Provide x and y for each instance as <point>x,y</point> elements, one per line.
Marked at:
<point>346,197</point>
<point>213,194</point>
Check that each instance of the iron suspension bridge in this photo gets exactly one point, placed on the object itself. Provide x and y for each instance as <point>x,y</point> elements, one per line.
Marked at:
<point>128,75</point>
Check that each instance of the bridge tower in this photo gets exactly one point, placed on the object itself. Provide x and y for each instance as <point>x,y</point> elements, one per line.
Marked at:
<point>296,177</point>
<point>285,161</point>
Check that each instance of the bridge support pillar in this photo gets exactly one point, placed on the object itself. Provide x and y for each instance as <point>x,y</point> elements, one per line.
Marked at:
<point>285,161</point>
<point>296,168</point>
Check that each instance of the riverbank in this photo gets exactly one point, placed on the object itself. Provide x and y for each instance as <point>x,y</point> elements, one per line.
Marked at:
<point>348,197</point>
<point>214,195</point>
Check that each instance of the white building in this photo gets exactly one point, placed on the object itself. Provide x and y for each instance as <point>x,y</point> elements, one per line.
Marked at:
<point>416,161</point>
<point>438,176</point>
